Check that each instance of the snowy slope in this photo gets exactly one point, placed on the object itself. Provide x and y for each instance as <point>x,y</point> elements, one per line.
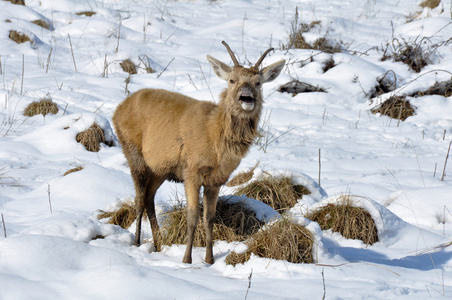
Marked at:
<point>49,245</point>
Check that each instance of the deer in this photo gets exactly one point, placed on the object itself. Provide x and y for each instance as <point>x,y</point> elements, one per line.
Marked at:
<point>169,136</point>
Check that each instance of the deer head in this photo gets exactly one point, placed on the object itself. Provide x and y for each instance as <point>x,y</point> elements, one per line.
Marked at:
<point>244,92</point>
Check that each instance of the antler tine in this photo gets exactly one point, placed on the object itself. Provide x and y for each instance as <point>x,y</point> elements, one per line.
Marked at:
<point>262,57</point>
<point>234,59</point>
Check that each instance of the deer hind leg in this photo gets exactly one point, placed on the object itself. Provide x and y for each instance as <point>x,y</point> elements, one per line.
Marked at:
<point>192,193</point>
<point>210,206</point>
<point>140,174</point>
<point>153,184</point>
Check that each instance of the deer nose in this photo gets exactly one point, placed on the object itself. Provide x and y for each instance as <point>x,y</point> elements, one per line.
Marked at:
<point>246,92</point>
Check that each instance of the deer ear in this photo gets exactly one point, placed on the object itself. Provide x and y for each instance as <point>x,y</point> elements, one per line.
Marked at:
<point>272,71</point>
<point>220,68</point>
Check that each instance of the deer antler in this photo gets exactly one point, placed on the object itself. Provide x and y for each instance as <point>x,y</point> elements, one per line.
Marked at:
<point>234,59</point>
<point>262,57</point>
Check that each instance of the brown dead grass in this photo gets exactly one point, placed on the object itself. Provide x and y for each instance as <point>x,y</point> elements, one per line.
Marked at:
<point>73,170</point>
<point>18,37</point>
<point>92,137</point>
<point>242,177</point>
<point>42,107</point>
<point>279,193</point>
<point>17,2</point>
<point>443,88</point>
<point>282,240</point>
<point>128,66</point>
<point>396,107</point>
<point>123,216</point>
<point>296,87</point>
<point>41,23</point>
<point>233,222</point>
<point>430,3</point>
<point>86,13</point>
<point>347,219</point>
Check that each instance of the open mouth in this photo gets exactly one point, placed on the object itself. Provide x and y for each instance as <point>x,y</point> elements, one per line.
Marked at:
<point>247,102</point>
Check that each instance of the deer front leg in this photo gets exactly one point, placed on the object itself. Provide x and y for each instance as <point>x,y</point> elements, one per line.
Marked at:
<point>192,193</point>
<point>210,206</point>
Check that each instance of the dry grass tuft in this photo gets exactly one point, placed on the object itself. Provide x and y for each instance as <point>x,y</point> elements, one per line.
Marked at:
<point>242,177</point>
<point>17,2</point>
<point>281,194</point>
<point>350,221</point>
<point>42,107</point>
<point>439,88</point>
<point>396,107</point>
<point>384,85</point>
<point>73,170</point>
<point>41,23</point>
<point>430,3</point>
<point>86,13</point>
<point>283,240</point>
<point>92,137</point>
<point>233,222</point>
<point>128,66</point>
<point>123,216</point>
<point>296,87</point>
<point>297,40</point>
<point>18,37</point>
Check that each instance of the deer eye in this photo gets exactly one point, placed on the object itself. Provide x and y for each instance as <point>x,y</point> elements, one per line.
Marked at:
<point>258,83</point>
<point>231,81</point>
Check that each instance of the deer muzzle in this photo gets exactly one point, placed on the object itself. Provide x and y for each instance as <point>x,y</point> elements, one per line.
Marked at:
<point>246,98</point>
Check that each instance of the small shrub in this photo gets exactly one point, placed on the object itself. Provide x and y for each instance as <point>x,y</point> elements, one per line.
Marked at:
<point>92,137</point>
<point>42,107</point>
<point>41,23</point>
<point>430,3</point>
<point>282,240</point>
<point>17,2</point>
<point>128,66</point>
<point>18,37</point>
<point>86,13</point>
<point>280,194</point>
<point>296,87</point>
<point>396,107</point>
<point>350,221</point>
<point>233,222</point>
<point>124,215</point>
<point>73,170</point>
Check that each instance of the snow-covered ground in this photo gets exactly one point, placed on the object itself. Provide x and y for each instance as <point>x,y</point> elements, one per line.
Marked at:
<point>394,169</point>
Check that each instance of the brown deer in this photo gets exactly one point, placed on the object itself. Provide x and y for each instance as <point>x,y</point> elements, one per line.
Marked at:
<point>169,136</point>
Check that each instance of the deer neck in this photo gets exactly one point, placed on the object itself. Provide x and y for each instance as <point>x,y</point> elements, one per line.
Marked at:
<point>233,134</point>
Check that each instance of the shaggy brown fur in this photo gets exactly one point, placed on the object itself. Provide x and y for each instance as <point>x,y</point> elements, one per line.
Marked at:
<point>166,135</point>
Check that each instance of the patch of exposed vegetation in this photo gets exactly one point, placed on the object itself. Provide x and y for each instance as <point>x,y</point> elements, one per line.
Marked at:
<point>42,107</point>
<point>283,240</point>
<point>296,87</point>
<point>86,13</point>
<point>19,37</point>
<point>73,170</point>
<point>298,41</point>
<point>233,222</point>
<point>124,215</point>
<point>430,3</point>
<point>92,137</point>
<point>17,2</point>
<point>396,107</point>
<point>279,193</point>
<point>384,85</point>
<point>350,221</point>
<point>41,23</point>
<point>128,66</point>
<point>443,88</point>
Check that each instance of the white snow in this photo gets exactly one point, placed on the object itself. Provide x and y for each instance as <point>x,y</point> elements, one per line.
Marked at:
<point>53,247</point>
